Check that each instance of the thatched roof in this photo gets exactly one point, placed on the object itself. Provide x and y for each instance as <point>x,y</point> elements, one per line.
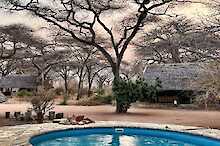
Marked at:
<point>181,76</point>
<point>18,81</point>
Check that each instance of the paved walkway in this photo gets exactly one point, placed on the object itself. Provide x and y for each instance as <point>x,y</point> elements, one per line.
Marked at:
<point>20,135</point>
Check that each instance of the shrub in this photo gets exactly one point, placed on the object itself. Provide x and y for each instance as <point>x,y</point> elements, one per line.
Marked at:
<point>210,99</point>
<point>24,93</point>
<point>104,99</point>
<point>101,97</point>
<point>59,91</point>
<point>65,99</point>
<point>42,103</point>
<point>84,91</point>
<point>211,77</point>
<point>128,91</point>
<point>210,82</point>
<point>91,101</point>
<point>100,91</point>
<point>148,91</point>
<point>72,87</point>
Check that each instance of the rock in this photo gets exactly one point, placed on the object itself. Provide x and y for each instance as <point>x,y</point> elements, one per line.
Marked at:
<point>3,98</point>
<point>79,118</point>
<point>89,120</point>
<point>73,122</point>
<point>81,123</point>
<point>59,120</point>
<point>86,122</point>
<point>64,122</point>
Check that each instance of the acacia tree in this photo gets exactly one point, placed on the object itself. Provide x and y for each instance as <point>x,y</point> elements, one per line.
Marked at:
<point>7,66</point>
<point>133,70</point>
<point>15,38</point>
<point>83,58</point>
<point>86,60</point>
<point>44,62</point>
<point>104,77</point>
<point>17,43</point>
<point>66,70</point>
<point>80,18</point>
<point>93,67</point>
<point>179,41</point>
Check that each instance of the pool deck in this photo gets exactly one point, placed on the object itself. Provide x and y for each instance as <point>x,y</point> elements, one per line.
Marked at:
<point>20,135</point>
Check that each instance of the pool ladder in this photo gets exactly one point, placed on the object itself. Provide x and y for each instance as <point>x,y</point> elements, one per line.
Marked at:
<point>119,130</point>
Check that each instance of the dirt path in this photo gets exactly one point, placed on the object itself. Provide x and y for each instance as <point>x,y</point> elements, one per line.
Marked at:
<point>106,113</point>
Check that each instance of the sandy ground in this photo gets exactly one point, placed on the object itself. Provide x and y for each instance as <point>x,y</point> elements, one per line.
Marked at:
<point>209,119</point>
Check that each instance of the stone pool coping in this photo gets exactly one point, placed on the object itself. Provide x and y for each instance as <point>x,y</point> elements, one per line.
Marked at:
<point>20,135</point>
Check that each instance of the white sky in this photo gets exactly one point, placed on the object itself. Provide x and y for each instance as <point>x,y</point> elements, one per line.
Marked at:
<point>194,11</point>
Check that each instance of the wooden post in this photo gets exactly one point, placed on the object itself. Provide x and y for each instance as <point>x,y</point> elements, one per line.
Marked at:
<point>17,115</point>
<point>28,115</point>
<point>59,115</point>
<point>51,115</point>
<point>7,115</point>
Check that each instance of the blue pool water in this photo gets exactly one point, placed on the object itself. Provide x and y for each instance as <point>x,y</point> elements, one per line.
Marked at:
<point>120,137</point>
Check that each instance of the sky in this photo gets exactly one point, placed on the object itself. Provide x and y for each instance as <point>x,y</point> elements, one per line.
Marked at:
<point>191,10</point>
<point>194,11</point>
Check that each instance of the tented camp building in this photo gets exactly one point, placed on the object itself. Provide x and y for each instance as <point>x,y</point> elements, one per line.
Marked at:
<point>178,80</point>
<point>16,82</point>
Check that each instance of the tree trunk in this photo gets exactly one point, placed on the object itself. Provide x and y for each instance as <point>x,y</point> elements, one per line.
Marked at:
<point>42,80</point>
<point>79,92</point>
<point>66,85</point>
<point>90,80</point>
<point>175,55</point>
<point>115,70</point>
<point>89,89</point>
<point>121,108</point>
<point>65,98</point>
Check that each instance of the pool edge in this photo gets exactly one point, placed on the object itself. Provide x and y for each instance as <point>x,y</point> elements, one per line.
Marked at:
<point>39,129</point>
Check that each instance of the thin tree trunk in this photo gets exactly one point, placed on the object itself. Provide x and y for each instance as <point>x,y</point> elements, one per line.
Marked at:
<point>175,55</point>
<point>79,92</point>
<point>42,80</point>
<point>90,81</point>
<point>65,85</point>
<point>90,89</point>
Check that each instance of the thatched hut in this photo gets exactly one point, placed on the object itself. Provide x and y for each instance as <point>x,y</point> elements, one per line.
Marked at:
<point>18,82</point>
<point>176,79</point>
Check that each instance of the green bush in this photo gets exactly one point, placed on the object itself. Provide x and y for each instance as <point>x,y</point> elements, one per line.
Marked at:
<point>65,99</point>
<point>59,91</point>
<point>42,103</point>
<point>104,99</point>
<point>210,99</point>
<point>148,91</point>
<point>128,91</point>
<point>24,93</point>
<point>100,91</point>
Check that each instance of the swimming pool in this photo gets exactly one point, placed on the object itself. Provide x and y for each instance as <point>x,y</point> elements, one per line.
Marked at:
<point>120,137</point>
